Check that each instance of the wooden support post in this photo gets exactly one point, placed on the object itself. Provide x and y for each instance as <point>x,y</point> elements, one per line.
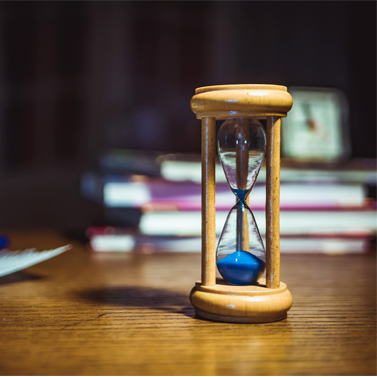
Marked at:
<point>208,202</point>
<point>242,170</point>
<point>273,203</point>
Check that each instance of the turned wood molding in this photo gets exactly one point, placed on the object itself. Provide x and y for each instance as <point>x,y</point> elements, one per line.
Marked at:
<point>224,101</point>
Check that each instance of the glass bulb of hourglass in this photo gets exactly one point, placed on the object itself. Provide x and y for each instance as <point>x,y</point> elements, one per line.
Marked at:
<point>240,253</point>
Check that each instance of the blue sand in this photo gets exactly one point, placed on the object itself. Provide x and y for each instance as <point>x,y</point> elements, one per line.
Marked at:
<point>241,268</point>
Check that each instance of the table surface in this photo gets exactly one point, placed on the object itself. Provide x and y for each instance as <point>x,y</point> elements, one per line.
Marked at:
<point>82,313</point>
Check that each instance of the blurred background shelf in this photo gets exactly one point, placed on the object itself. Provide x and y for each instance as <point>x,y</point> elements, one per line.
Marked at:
<point>103,88</point>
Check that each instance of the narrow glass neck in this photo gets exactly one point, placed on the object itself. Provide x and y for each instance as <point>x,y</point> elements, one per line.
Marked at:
<point>241,195</point>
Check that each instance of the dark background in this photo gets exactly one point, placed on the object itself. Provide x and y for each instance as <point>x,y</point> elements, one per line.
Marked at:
<point>78,78</point>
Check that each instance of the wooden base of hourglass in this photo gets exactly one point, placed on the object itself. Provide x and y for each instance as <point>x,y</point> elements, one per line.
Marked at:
<point>241,304</point>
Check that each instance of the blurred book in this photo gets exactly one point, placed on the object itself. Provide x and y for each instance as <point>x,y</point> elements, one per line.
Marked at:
<point>324,208</point>
<point>188,223</point>
<point>158,194</point>
<point>109,239</point>
<point>187,167</point>
<point>121,161</point>
<point>180,170</point>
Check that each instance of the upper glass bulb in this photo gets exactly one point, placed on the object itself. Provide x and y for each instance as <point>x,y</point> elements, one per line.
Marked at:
<point>241,146</point>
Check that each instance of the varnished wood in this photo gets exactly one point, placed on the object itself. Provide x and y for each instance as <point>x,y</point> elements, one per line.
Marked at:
<point>273,202</point>
<point>242,170</point>
<point>241,304</point>
<point>225,101</point>
<point>261,101</point>
<point>208,201</point>
<point>242,229</point>
<point>242,153</point>
<point>128,314</point>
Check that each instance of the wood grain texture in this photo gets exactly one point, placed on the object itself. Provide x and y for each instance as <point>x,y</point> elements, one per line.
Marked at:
<point>225,101</point>
<point>241,304</point>
<point>273,202</point>
<point>129,314</point>
<point>208,201</point>
<point>242,173</point>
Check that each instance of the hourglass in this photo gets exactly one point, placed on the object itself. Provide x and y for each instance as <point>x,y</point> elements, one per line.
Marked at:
<point>240,254</point>
<point>242,294</point>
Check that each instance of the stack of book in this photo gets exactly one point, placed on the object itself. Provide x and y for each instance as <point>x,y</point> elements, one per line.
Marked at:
<point>322,210</point>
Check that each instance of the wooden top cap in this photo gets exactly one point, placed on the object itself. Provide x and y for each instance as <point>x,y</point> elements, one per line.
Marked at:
<point>257,100</point>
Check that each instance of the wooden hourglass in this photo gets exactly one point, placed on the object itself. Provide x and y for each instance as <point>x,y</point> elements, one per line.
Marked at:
<point>241,295</point>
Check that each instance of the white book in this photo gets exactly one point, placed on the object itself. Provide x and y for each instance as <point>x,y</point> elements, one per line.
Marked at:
<point>124,192</point>
<point>138,194</point>
<point>291,222</point>
<point>130,242</point>
<point>191,171</point>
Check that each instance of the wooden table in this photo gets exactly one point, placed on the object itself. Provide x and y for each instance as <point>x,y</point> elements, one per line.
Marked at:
<point>129,314</point>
